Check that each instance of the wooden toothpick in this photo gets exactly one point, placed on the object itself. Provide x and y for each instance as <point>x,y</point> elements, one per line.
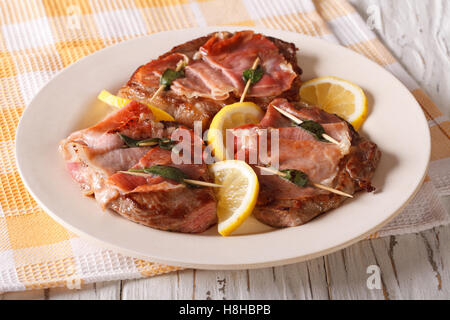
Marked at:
<point>180,66</point>
<point>320,186</point>
<point>298,121</point>
<point>161,88</point>
<point>203,183</point>
<point>249,81</point>
<point>195,182</point>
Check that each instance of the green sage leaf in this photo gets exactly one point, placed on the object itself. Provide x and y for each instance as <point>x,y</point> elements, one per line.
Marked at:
<point>164,143</point>
<point>253,75</point>
<point>169,76</point>
<point>314,128</point>
<point>297,177</point>
<point>130,142</point>
<point>167,172</point>
<point>148,142</point>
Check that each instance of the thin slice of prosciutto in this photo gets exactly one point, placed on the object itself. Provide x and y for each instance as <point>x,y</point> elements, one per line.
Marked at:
<point>297,148</point>
<point>223,59</point>
<point>213,79</point>
<point>348,167</point>
<point>96,158</point>
<point>95,153</point>
<point>150,74</point>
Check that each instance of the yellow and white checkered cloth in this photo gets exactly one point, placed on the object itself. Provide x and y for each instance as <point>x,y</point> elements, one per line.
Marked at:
<point>40,37</point>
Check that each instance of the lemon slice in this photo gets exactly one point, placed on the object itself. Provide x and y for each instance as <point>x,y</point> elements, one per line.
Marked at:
<point>119,102</point>
<point>238,194</point>
<point>231,116</point>
<point>338,96</point>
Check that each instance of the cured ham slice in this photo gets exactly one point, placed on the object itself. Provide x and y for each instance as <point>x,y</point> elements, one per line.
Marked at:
<point>233,55</point>
<point>348,167</point>
<point>334,126</point>
<point>203,81</point>
<point>150,74</point>
<point>223,61</point>
<point>95,153</point>
<point>163,203</point>
<point>297,148</point>
<point>212,80</point>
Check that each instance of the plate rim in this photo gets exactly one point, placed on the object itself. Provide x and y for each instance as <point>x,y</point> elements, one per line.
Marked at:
<point>234,266</point>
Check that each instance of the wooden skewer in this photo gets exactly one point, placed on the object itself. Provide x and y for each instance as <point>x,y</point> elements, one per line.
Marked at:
<point>161,88</point>
<point>249,81</point>
<point>320,186</point>
<point>139,174</point>
<point>180,65</point>
<point>203,183</point>
<point>298,121</point>
<point>196,182</point>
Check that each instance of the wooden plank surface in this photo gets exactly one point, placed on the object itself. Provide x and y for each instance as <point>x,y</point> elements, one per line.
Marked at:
<point>414,266</point>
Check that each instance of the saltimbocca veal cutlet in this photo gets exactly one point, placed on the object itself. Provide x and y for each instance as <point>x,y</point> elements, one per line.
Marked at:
<point>110,163</point>
<point>96,156</point>
<point>348,167</point>
<point>213,75</point>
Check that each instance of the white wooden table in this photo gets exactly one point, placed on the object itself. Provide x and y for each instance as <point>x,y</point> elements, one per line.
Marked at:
<point>414,266</point>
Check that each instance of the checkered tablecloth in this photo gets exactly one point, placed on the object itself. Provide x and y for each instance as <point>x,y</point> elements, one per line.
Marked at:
<point>40,37</point>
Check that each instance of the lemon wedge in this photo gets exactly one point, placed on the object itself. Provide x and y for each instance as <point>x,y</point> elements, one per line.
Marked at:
<point>237,197</point>
<point>335,95</point>
<point>119,102</point>
<point>231,116</point>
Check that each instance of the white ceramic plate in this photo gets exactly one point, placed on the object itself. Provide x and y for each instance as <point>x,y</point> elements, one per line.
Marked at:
<point>68,102</point>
